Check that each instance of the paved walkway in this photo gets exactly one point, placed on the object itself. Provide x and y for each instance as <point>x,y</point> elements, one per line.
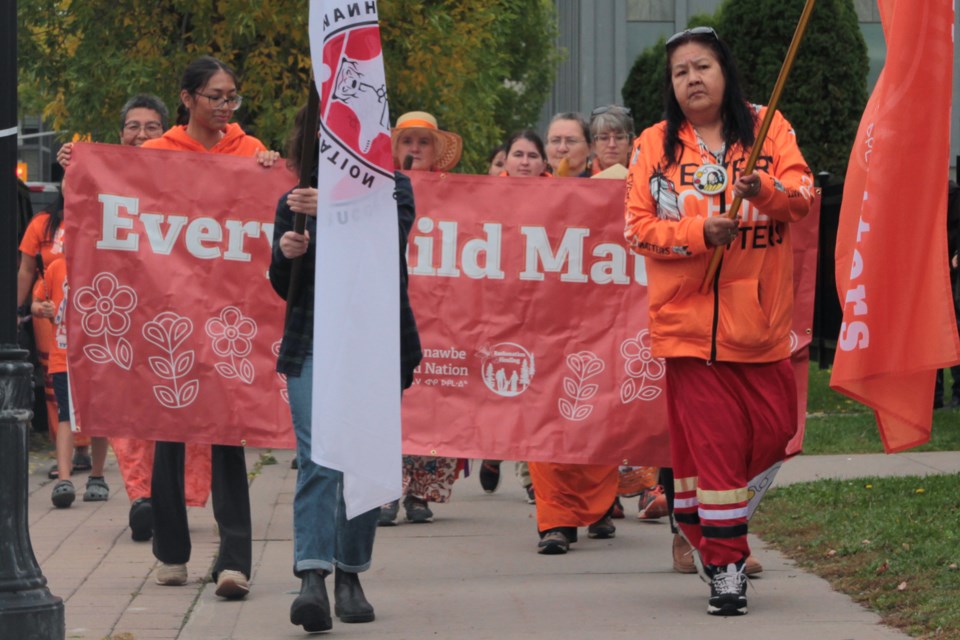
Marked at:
<point>471,575</point>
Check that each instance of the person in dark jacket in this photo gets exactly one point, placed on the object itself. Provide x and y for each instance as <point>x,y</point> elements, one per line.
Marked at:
<point>324,540</point>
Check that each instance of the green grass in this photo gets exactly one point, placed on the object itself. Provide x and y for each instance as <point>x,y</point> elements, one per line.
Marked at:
<point>892,544</point>
<point>836,424</point>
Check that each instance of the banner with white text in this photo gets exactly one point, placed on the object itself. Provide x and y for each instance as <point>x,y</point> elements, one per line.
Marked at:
<point>533,318</point>
<point>532,312</point>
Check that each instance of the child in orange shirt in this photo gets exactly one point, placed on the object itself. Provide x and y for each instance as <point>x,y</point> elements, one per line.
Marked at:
<point>64,494</point>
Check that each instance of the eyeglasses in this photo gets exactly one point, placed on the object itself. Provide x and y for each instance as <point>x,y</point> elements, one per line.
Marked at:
<point>151,128</point>
<point>696,31</point>
<point>599,111</point>
<point>232,102</point>
<point>605,138</point>
<point>570,142</point>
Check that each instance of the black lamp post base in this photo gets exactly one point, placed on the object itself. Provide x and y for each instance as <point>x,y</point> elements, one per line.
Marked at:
<point>28,611</point>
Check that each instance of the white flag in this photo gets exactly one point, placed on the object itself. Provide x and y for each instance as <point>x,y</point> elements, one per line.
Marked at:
<point>356,346</point>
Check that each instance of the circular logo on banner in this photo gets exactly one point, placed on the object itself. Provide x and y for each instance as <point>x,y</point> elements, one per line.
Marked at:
<point>507,368</point>
<point>710,179</point>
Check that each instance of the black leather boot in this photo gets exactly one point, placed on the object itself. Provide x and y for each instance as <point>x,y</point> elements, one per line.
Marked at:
<point>350,604</point>
<point>311,609</point>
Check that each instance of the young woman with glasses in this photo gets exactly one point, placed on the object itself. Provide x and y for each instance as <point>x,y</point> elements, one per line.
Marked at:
<point>208,98</point>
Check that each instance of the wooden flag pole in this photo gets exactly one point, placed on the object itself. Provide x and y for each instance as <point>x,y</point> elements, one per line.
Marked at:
<point>762,133</point>
<point>308,148</point>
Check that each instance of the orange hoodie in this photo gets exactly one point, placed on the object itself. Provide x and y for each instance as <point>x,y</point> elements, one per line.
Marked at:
<point>747,315</point>
<point>234,142</point>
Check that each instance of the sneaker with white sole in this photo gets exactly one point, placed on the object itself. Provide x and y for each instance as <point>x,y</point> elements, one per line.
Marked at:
<point>172,575</point>
<point>232,585</point>
<point>728,590</point>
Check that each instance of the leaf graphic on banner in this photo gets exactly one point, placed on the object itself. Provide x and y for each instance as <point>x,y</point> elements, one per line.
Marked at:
<point>628,390</point>
<point>97,353</point>
<point>593,368</point>
<point>124,354</point>
<point>246,371</point>
<point>582,412</point>
<point>649,393</point>
<point>179,330</point>
<point>161,367</point>
<point>165,396</point>
<point>588,391</point>
<point>189,392</point>
<point>226,370</point>
<point>155,334</point>
<point>183,363</point>
<point>566,408</point>
<point>575,364</point>
<point>570,387</point>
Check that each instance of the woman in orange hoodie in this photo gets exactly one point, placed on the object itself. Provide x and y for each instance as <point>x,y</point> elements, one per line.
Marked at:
<point>731,395</point>
<point>208,96</point>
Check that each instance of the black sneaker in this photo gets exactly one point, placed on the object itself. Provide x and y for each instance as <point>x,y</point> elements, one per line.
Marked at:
<point>417,510</point>
<point>388,514</point>
<point>553,543</point>
<point>728,590</point>
<point>602,528</point>
<point>141,520</point>
<point>490,475</point>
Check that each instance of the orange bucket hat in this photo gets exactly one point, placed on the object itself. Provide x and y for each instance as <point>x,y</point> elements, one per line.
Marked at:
<point>449,146</point>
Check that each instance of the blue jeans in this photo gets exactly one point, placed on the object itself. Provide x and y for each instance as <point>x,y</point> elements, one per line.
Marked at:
<point>323,538</point>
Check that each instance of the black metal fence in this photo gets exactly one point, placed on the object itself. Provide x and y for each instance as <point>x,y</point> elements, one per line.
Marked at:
<point>827,312</point>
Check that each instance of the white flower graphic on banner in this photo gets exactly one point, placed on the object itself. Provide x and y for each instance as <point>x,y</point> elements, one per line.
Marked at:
<point>283,377</point>
<point>104,308</point>
<point>584,365</point>
<point>641,367</point>
<point>168,331</point>
<point>232,334</point>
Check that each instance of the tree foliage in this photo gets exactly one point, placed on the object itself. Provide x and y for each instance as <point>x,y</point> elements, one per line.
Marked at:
<point>483,68</point>
<point>826,92</point>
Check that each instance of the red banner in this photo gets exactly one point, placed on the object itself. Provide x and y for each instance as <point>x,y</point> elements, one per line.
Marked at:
<point>532,312</point>
<point>174,326</point>
<point>892,274</point>
<point>533,318</point>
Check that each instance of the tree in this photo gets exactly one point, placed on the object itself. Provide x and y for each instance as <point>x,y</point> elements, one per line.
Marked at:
<point>827,88</point>
<point>825,94</point>
<point>482,68</point>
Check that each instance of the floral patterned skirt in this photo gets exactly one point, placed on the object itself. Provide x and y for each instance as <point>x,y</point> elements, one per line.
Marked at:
<point>429,478</point>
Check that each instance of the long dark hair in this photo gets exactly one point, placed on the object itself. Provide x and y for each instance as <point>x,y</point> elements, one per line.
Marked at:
<point>739,119</point>
<point>295,143</point>
<point>55,219</point>
<point>196,76</point>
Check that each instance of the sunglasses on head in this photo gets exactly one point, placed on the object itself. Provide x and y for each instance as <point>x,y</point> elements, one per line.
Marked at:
<point>599,111</point>
<point>696,31</point>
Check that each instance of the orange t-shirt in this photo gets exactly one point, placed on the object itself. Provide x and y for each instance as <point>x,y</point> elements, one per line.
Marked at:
<point>234,142</point>
<point>55,280</point>
<point>35,240</point>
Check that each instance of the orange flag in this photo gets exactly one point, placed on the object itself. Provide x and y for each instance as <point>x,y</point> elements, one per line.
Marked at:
<point>891,259</point>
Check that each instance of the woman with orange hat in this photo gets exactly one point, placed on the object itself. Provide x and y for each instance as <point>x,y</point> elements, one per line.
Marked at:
<point>419,144</point>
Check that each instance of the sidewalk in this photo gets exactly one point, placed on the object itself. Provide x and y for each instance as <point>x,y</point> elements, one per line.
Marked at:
<point>471,575</point>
